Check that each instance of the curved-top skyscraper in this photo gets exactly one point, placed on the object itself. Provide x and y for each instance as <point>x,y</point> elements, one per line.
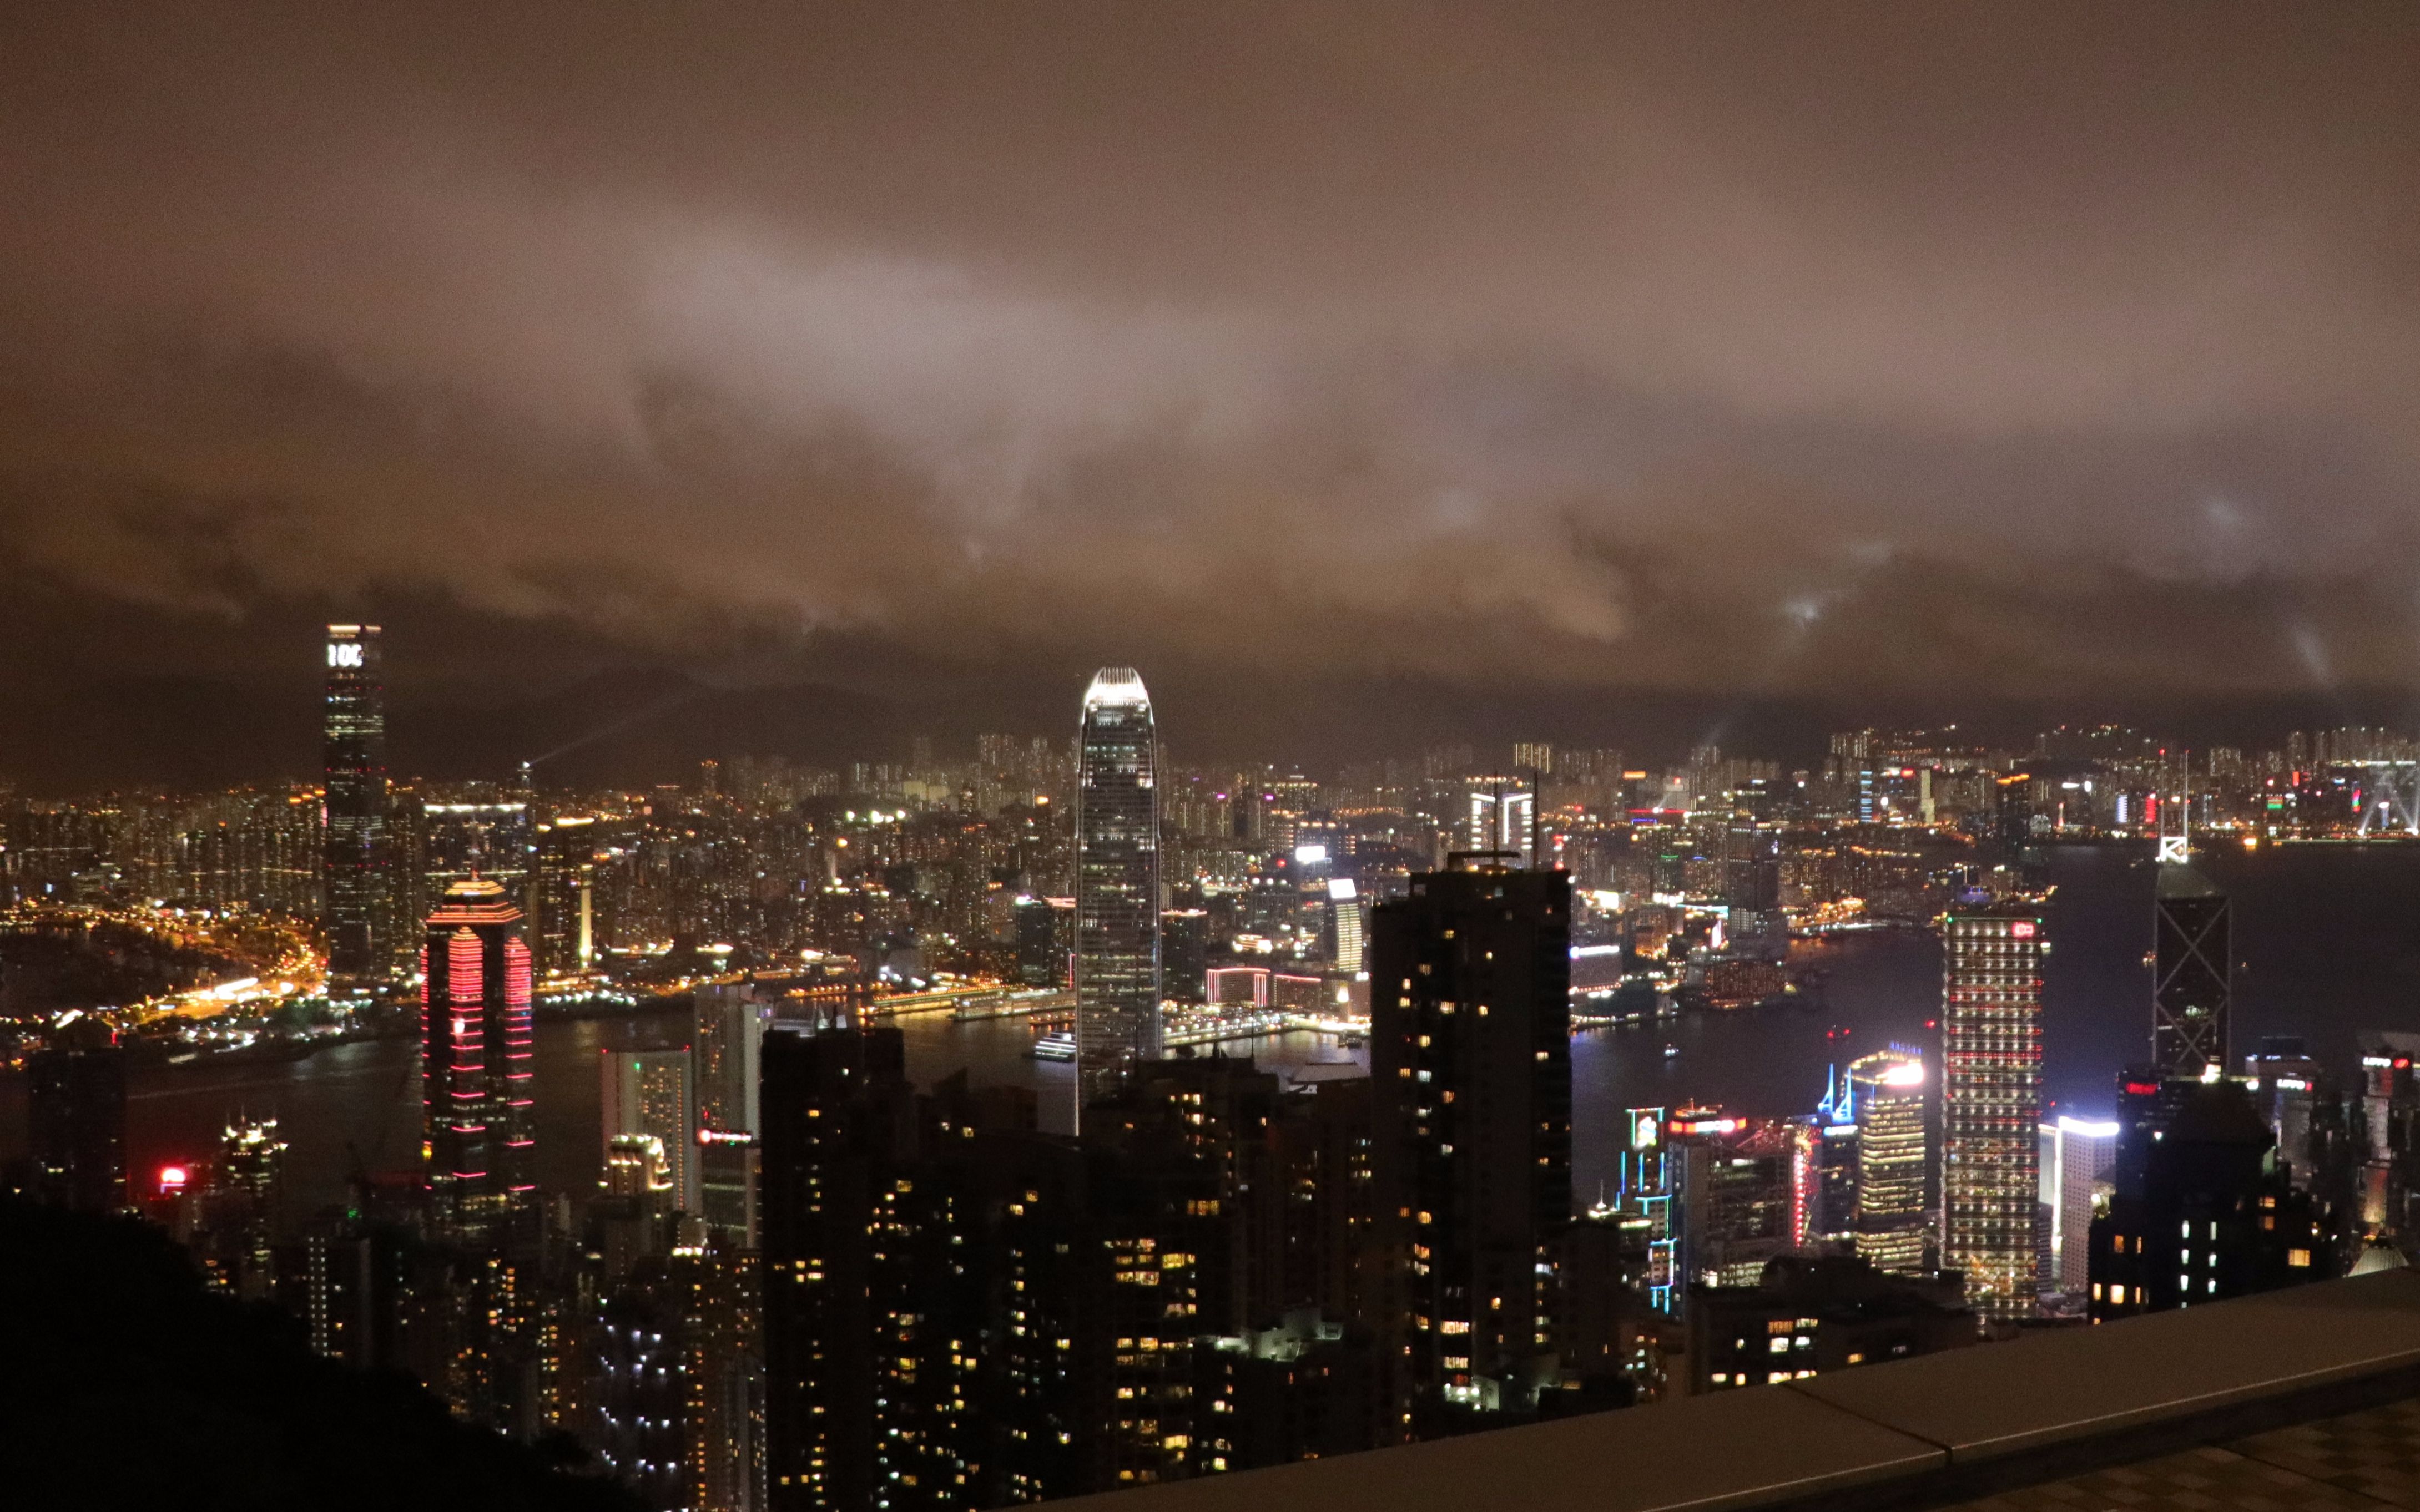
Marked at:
<point>476,1062</point>
<point>1117,884</point>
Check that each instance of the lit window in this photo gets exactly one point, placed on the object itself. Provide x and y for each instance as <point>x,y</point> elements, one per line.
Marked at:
<point>2298,1257</point>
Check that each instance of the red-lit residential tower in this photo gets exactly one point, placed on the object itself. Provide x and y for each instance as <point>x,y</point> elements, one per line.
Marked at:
<point>475,1080</point>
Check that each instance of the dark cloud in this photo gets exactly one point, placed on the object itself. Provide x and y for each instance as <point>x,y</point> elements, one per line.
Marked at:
<point>1758,353</point>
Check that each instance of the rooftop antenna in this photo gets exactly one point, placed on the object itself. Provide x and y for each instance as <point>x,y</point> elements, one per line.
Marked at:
<point>1537,794</point>
<point>2177,849</point>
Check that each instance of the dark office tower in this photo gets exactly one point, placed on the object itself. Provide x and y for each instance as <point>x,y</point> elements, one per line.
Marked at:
<point>1741,1196</point>
<point>1832,1213</point>
<point>838,1113</point>
<point>1046,941</point>
<point>1754,923</point>
<point>75,1119</point>
<point>2291,1088</point>
<point>2189,983</point>
<point>730,1060</point>
<point>355,869</point>
<point>1184,952</point>
<point>476,1083</point>
<point>2389,1180</point>
<point>1991,1103</point>
<point>2015,828</point>
<point>2201,1211</point>
<point>1470,1049</point>
<point>1117,884</point>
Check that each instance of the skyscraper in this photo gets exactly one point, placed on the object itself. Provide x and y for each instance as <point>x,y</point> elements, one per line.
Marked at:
<point>1117,884</point>
<point>652,1092</point>
<point>2190,981</point>
<point>1991,1103</point>
<point>1887,1094</point>
<point>731,1025</point>
<point>1470,1052</point>
<point>75,1119</point>
<point>838,1148</point>
<point>1345,910</point>
<point>2087,1149</point>
<point>355,859</point>
<point>475,1081</point>
<point>2199,1210</point>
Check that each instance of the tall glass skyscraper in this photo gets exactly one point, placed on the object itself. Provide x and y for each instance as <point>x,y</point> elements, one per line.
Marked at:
<point>475,1066</point>
<point>1990,1103</point>
<point>2192,984</point>
<point>1886,1093</point>
<point>354,870</point>
<point>1117,884</point>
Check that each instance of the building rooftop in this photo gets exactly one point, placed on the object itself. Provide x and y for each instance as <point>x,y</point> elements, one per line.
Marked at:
<point>2308,1397</point>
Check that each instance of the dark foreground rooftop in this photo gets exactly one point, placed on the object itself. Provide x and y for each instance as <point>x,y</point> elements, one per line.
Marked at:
<point>2301,1398</point>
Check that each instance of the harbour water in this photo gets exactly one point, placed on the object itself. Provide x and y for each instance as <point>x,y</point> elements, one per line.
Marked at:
<point>2327,944</point>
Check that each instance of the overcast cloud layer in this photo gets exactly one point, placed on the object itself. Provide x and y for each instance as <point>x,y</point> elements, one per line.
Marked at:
<point>1783,350</point>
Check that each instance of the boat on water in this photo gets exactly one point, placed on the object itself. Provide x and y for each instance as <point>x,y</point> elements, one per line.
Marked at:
<point>1672,1052</point>
<point>1058,1046</point>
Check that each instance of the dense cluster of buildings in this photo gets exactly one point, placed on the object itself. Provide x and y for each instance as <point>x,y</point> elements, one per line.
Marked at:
<point>805,1282</point>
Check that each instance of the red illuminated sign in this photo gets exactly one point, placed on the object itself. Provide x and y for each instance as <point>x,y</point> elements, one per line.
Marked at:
<point>2023,928</point>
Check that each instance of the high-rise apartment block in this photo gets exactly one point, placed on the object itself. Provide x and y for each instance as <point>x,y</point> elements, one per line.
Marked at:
<point>1991,1103</point>
<point>1471,1052</point>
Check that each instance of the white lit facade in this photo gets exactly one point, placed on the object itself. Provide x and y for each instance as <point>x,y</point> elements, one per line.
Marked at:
<point>1990,1103</point>
<point>1117,884</point>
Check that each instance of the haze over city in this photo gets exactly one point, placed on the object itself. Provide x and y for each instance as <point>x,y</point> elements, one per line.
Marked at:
<point>1311,357</point>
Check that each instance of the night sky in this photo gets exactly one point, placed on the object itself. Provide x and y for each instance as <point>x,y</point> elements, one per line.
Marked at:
<point>1364,373</point>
